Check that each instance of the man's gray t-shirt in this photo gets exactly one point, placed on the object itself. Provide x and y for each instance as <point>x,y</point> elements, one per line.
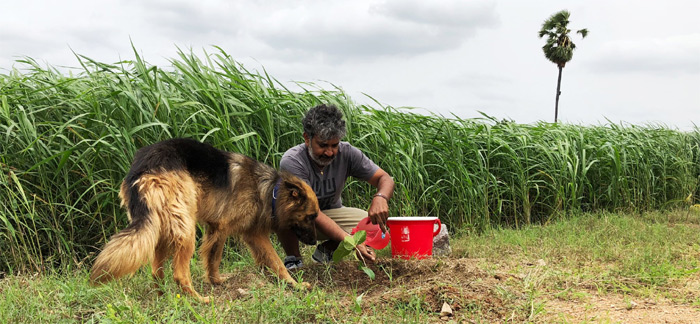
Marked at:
<point>328,183</point>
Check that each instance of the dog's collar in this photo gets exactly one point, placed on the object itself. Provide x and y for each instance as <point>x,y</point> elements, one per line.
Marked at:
<point>274,197</point>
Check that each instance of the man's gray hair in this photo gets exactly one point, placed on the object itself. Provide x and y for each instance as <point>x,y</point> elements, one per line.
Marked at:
<point>324,121</point>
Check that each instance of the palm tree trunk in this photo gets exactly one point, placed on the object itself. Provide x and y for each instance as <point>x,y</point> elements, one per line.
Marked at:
<point>556,103</point>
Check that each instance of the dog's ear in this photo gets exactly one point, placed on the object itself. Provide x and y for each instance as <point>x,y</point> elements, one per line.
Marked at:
<point>294,190</point>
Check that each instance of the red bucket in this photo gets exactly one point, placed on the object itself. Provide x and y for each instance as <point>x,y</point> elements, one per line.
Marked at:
<point>413,236</point>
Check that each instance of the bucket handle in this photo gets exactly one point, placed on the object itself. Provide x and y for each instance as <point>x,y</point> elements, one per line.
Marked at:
<point>439,226</point>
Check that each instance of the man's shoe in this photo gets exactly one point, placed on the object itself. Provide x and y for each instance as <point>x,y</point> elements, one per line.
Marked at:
<point>292,262</point>
<point>322,254</point>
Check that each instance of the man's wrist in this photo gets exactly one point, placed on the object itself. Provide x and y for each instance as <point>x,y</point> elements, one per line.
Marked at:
<point>379,194</point>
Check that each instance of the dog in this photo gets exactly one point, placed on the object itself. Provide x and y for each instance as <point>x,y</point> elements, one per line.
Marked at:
<point>175,184</point>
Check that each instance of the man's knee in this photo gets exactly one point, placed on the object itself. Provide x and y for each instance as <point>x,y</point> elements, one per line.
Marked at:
<point>346,217</point>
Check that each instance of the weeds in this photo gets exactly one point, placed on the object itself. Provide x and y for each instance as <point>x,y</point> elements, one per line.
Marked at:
<point>500,287</point>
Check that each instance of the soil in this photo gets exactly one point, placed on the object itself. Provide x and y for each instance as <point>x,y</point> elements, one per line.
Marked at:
<point>474,294</point>
<point>615,309</point>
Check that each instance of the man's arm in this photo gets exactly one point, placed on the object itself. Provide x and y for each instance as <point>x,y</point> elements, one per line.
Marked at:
<point>379,208</point>
<point>329,227</point>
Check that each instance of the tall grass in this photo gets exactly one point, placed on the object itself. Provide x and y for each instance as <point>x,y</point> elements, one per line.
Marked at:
<point>68,139</point>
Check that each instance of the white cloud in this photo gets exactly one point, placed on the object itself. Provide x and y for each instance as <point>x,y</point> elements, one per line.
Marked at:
<point>672,55</point>
<point>359,29</point>
<point>191,20</point>
<point>452,13</point>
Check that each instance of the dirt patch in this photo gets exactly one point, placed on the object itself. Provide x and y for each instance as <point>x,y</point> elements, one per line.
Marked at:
<point>617,309</point>
<point>471,292</point>
<point>474,294</point>
<point>457,282</point>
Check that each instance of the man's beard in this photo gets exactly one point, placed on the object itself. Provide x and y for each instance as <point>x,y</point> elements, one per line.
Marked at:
<point>322,161</point>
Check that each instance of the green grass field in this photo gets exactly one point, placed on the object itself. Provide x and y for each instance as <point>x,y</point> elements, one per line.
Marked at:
<point>500,275</point>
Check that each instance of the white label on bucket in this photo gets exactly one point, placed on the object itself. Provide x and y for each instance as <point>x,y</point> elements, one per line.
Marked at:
<point>405,234</point>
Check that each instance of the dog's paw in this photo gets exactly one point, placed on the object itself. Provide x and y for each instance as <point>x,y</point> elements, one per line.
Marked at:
<point>218,280</point>
<point>303,286</point>
<point>205,300</point>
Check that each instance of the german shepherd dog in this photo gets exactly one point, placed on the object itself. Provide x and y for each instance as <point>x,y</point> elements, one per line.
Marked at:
<point>174,184</point>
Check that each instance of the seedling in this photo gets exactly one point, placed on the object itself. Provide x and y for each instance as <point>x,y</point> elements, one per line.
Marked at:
<point>348,246</point>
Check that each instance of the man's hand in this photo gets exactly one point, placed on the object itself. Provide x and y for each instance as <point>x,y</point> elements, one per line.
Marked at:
<point>379,208</point>
<point>365,252</point>
<point>379,212</point>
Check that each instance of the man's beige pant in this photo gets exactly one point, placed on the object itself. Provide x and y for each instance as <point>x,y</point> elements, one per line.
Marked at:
<point>346,217</point>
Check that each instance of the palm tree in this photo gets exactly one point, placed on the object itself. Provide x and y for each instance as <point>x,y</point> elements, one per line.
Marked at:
<point>559,48</point>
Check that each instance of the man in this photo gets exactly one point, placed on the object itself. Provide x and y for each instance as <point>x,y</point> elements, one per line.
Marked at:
<point>325,163</point>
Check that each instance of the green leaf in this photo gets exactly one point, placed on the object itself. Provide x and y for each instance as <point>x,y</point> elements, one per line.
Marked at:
<point>64,158</point>
<point>358,303</point>
<point>340,253</point>
<point>360,237</point>
<point>368,271</point>
<point>350,241</point>
<point>345,247</point>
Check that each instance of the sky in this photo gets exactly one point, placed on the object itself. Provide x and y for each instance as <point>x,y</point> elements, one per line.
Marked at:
<point>639,64</point>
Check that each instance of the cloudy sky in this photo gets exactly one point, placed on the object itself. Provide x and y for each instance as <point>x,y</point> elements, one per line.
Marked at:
<point>640,63</point>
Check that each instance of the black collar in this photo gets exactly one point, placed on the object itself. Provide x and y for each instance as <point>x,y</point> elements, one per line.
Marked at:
<point>274,197</point>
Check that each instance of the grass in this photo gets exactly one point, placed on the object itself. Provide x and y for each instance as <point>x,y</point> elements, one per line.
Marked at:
<point>69,137</point>
<point>651,257</point>
<point>648,255</point>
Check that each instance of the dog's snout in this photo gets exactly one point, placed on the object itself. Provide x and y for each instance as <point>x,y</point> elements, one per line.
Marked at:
<point>306,235</point>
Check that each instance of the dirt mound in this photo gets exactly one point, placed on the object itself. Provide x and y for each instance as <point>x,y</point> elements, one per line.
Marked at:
<point>431,282</point>
<point>474,294</point>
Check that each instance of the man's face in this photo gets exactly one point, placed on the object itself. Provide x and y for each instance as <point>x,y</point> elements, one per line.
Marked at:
<point>321,152</point>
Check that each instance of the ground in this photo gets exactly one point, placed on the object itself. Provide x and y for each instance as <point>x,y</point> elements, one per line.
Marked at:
<point>475,295</point>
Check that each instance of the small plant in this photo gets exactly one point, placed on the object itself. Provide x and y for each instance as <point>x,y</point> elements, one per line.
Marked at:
<point>349,245</point>
<point>358,303</point>
<point>389,273</point>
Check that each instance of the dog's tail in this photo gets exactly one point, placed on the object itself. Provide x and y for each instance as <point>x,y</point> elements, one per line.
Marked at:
<point>132,247</point>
